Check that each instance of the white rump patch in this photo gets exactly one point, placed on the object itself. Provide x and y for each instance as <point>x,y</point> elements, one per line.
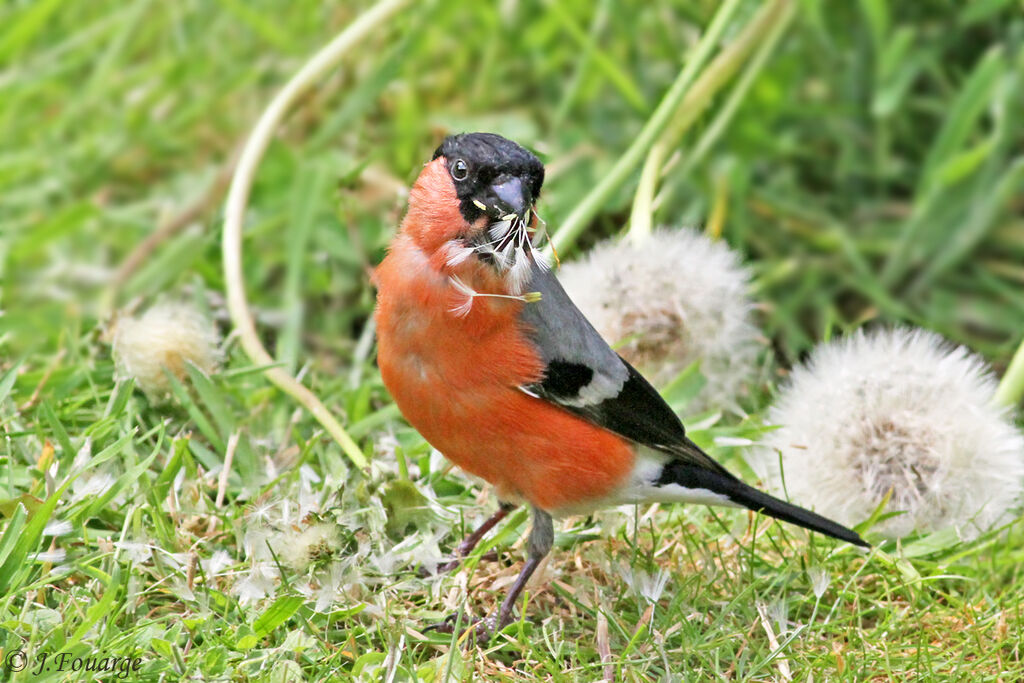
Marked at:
<point>643,489</point>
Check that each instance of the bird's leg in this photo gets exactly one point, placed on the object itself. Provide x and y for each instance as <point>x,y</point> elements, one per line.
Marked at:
<point>542,537</point>
<point>468,543</point>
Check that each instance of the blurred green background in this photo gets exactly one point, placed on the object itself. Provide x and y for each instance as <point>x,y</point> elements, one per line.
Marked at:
<point>872,171</point>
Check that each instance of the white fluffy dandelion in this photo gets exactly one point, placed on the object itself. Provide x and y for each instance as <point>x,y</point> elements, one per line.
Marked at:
<point>166,336</point>
<point>299,548</point>
<point>897,410</point>
<point>677,298</point>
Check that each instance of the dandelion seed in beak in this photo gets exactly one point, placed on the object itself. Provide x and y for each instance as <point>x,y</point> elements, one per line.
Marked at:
<point>479,204</point>
<point>500,229</point>
<point>463,309</point>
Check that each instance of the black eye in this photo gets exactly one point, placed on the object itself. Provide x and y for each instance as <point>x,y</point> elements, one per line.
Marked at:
<point>460,170</point>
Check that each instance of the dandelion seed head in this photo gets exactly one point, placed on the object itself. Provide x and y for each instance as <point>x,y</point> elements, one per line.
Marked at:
<point>902,411</point>
<point>316,544</point>
<point>166,336</point>
<point>677,298</point>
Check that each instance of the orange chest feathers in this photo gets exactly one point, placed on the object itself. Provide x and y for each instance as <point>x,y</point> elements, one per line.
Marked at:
<point>457,379</point>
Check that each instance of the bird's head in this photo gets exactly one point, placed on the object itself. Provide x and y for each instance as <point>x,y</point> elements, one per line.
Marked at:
<point>476,199</point>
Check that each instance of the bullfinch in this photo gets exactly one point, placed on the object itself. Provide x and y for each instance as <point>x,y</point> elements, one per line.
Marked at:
<point>488,358</point>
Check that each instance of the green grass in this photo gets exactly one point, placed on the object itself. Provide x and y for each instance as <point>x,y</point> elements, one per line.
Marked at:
<point>871,173</point>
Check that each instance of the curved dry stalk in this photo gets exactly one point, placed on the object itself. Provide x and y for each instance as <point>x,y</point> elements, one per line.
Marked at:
<point>238,196</point>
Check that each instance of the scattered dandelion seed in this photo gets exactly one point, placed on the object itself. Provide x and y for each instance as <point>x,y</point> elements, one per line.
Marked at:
<point>675,299</point>
<point>258,583</point>
<point>180,589</point>
<point>254,543</point>
<point>134,552</point>
<point>643,584</point>
<point>308,476</point>
<point>820,579</point>
<point>84,455</point>
<point>57,527</point>
<point>166,336</point>
<point>55,556</point>
<point>733,441</point>
<point>897,410</point>
<point>778,611</point>
<point>217,564</point>
<point>91,486</point>
<point>331,590</point>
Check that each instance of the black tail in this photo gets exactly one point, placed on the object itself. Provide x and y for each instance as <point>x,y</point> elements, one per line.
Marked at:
<point>693,477</point>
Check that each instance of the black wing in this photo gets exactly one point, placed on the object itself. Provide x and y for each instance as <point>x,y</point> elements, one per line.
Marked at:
<point>586,377</point>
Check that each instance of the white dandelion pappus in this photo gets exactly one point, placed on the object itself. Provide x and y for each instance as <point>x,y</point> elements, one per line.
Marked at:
<point>897,410</point>
<point>166,336</point>
<point>55,556</point>
<point>259,583</point>
<point>57,527</point>
<point>676,298</point>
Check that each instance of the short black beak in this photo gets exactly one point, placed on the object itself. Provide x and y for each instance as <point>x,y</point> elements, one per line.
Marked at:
<point>512,197</point>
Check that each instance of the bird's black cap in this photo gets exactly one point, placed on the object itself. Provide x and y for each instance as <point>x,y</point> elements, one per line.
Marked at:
<point>484,166</point>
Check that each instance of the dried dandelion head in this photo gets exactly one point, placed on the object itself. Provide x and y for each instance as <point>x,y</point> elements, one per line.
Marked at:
<point>677,298</point>
<point>315,545</point>
<point>165,336</point>
<point>897,410</point>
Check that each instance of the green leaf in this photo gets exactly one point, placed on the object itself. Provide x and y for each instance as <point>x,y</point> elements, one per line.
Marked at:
<point>194,411</point>
<point>59,433</point>
<point>213,398</point>
<point>279,612</point>
<point>17,560</point>
<point>933,543</point>
<point>13,532</point>
<point>245,639</point>
<point>100,609</point>
<point>972,100</point>
<point>7,381</point>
